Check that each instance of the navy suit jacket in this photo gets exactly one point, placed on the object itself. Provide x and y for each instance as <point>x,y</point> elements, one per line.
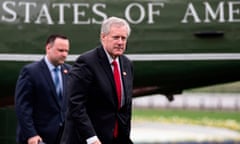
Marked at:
<point>38,109</point>
<point>93,105</point>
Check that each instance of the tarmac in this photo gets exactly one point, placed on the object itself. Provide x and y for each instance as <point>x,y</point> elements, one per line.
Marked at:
<point>145,132</point>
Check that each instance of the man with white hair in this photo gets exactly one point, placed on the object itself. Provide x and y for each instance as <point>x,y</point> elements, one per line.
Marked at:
<point>100,91</point>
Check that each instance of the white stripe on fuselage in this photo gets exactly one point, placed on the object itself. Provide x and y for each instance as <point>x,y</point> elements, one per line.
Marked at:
<point>136,57</point>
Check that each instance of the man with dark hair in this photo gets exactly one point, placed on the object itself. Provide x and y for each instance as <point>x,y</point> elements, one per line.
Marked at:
<point>40,95</point>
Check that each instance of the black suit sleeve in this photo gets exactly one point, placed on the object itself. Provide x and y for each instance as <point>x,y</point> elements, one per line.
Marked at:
<point>80,80</point>
<point>23,103</point>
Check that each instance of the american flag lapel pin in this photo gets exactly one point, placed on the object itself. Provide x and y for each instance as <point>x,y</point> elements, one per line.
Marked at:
<point>65,71</point>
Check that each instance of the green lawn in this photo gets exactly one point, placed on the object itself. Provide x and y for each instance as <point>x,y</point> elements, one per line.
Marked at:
<point>226,119</point>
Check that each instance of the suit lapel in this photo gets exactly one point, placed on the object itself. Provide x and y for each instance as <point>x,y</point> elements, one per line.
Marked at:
<point>123,76</point>
<point>106,65</point>
<point>64,72</point>
<point>104,62</point>
<point>49,81</point>
<point>107,68</point>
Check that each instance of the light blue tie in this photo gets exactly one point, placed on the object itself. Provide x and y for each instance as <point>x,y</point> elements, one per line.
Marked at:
<point>57,83</point>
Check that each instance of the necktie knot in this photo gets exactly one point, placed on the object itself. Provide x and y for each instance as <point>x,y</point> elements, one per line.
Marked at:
<point>56,69</point>
<point>114,63</point>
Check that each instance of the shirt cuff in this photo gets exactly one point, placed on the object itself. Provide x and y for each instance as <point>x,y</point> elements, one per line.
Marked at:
<point>92,139</point>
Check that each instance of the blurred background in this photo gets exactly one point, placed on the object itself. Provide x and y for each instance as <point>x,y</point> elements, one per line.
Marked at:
<point>206,115</point>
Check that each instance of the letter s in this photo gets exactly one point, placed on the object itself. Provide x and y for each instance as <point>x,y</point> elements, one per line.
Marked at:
<point>12,14</point>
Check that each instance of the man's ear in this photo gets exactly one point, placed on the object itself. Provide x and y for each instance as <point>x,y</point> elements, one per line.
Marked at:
<point>47,47</point>
<point>102,36</point>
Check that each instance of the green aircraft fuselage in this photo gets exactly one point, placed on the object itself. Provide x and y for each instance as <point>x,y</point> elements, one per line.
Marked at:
<point>174,44</point>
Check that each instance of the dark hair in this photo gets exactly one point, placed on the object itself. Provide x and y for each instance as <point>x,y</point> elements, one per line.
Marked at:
<point>52,38</point>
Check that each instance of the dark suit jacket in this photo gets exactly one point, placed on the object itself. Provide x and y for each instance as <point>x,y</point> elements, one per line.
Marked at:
<point>93,106</point>
<point>38,108</point>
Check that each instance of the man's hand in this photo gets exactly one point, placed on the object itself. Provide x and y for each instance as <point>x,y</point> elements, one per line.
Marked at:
<point>34,140</point>
<point>97,142</point>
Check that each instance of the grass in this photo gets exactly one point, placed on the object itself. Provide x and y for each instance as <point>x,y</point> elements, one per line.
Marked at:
<point>225,119</point>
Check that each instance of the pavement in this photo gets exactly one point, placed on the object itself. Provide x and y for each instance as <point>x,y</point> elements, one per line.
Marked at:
<point>156,132</point>
<point>170,133</point>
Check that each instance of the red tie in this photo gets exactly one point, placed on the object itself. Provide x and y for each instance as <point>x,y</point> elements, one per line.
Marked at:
<point>119,91</point>
<point>117,82</point>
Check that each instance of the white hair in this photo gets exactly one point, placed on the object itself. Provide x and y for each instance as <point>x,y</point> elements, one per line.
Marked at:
<point>107,23</point>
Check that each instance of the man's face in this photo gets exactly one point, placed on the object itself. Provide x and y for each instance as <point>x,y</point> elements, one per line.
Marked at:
<point>115,41</point>
<point>57,51</point>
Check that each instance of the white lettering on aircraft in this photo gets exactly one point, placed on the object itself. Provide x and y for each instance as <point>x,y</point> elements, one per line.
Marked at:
<point>211,15</point>
<point>135,12</point>
<point>142,12</point>
<point>31,12</point>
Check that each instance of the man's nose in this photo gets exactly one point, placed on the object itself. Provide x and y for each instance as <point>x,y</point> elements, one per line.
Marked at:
<point>65,54</point>
<point>120,40</point>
